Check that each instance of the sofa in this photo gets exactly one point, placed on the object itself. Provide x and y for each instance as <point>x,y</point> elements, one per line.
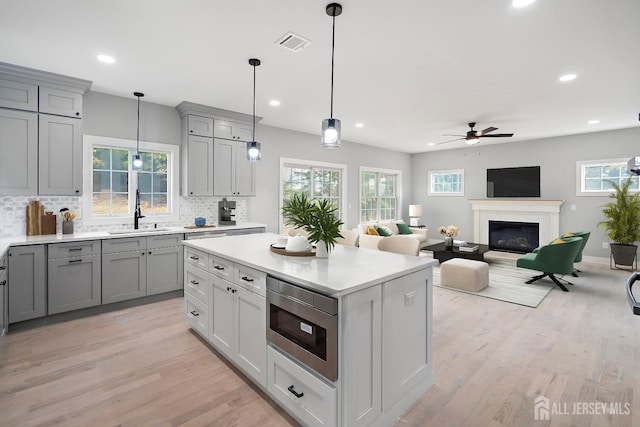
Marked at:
<point>369,241</point>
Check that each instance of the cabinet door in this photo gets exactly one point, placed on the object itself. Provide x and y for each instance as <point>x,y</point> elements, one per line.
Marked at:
<point>60,102</point>
<point>200,126</point>
<point>74,283</point>
<point>4,313</point>
<point>224,153</point>
<point>19,96</point>
<point>18,153</point>
<point>200,166</point>
<point>164,270</point>
<point>224,129</point>
<point>245,172</point>
<point>222,332</point>
<point>60,156</point>
<point>250,327</point>
<point>124,276</point>
<point>244,132</point>
<point>27,278</point>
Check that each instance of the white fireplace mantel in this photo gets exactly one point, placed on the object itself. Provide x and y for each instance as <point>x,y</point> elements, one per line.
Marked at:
<point>544,212</point>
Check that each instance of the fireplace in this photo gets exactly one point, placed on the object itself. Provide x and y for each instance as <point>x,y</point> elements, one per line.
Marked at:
<point>510,236</point>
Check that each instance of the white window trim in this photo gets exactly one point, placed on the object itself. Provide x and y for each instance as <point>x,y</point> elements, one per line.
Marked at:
<point>460,193</point>
<point>579,176</point>
<point>343,184</point>
<point>398,173</point>
<point>173,167</point>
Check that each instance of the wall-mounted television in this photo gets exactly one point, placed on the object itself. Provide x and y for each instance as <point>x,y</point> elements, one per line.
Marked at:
<point>514,182</point>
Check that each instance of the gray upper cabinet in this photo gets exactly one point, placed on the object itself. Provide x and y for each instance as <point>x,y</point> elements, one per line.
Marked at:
<point>19,96</point>
<point>60,102</point>
<point>200,126</point>
<point>18,153</point>
<point>198,157</point>
<point>233,175</point>
<point>27,282</point>
<point>60,156</point>
<point>227,129</point>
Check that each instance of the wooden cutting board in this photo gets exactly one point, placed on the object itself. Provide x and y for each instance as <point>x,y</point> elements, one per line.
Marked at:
<point>48,223</point>
<point>35,211</point>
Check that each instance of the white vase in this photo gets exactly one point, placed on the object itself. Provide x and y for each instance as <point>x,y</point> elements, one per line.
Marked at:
<point>321,250</point>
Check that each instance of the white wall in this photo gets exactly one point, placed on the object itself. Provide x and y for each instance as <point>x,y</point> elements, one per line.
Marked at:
<point>557,159</point>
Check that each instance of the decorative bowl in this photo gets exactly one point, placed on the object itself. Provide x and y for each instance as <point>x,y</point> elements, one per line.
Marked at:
<point>200,221</point>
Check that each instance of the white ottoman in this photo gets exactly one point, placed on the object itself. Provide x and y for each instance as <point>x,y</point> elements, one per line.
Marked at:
<point>465,274</point>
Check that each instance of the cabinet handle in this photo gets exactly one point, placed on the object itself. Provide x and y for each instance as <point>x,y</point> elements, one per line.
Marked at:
<point>247,279</point>
<point>194,282</point>
<point>4,282</point>
<point>217,267</point>
<point>233,291</point>
<point>195,313</point>
<point>74,249</point>
<point>77,113</point>
<point>295,393</point>
<point>3,268</point>
<point>195,258</point>
<point>74,260</point>
<point>77,191</point>
<point>149,252</point>
<point>228,288</point>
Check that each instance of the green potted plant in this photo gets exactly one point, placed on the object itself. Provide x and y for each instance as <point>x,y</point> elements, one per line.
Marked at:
<point>315,216</point>
<point>622,223</point>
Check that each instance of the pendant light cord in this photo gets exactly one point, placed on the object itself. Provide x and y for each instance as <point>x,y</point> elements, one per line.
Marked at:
<point>253,132</point>
<point>333,43</point>
<point>138,131</point>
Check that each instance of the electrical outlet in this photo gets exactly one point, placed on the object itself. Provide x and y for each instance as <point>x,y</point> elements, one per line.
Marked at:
<point>605,245</point>
<point>573,207</point>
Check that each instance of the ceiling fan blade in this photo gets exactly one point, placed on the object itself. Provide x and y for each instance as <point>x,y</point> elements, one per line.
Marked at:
<point>448,134</point>
<point>487,130</point>
<point>444,142</point>
<point>497,135</point>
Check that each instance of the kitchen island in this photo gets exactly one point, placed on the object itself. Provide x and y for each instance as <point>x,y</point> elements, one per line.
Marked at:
<point>383,317</point>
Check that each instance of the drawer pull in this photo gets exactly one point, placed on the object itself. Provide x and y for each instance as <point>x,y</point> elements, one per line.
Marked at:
<point>4,282</point>
<point>74,249</point>
<point>195,313</point>
<point>193,282</point>
<point>247,279</point>
<point>217,267</point>
<point>295,393</point>
<point>75,260</point>
<point>3,268</point>
<point>195,258</point>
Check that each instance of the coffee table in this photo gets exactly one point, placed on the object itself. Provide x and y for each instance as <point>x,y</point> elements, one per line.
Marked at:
<point>442,254</point>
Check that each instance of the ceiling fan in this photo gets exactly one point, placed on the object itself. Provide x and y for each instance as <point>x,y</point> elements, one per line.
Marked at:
<point>473,136</point>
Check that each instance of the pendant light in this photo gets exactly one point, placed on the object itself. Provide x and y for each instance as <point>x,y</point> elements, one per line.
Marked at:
<point>253,147</point>
<point>331,126</point>
<point>137,160</point>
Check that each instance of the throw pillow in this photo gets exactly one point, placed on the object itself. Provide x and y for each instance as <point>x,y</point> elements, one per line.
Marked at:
<point>403,228</point>
<point>382,231</point>
<point>372,231</point>
<point>557,241</point>
<point>567,235</point>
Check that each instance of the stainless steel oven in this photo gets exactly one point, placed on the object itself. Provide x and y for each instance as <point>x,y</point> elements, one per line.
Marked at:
<point>303,324</point>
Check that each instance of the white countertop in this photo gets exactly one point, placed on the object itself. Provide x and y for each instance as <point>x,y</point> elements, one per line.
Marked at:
<point>5,243</point>
<point>346,270</point>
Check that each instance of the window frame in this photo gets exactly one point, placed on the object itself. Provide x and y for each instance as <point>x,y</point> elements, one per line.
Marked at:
<point>370,169</point>
<point>288,162</point>
<point>173,181</point>
<point>580,168</point>
<point>432,173</point>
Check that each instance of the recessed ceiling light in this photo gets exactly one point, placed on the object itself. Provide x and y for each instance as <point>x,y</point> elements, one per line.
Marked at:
<point>106,59</point>
<point>430,144</point>
<point>593,122</point>
<point>359,125</point>
<point>567,77</point>
<point>521,3</point>
<point>274,102</point>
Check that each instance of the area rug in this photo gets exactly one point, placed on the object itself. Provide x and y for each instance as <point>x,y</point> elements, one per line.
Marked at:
<point>507,283</point>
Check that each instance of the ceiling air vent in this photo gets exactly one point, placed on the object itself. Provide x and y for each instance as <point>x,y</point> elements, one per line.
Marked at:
<point>293,42</point>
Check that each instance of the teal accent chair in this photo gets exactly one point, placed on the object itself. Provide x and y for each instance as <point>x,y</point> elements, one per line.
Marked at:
<point>554,258</point>
<point>585,236</point>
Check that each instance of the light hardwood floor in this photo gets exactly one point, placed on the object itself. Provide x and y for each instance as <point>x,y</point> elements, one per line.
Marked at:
<point>142,366</point>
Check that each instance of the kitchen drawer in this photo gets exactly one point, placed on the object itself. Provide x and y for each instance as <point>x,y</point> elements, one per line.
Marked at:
<point>221,267</point>
<point>164,241</point>
<point>316,401</point>
<point>250,279</point>
<point>197,283</point>
<point>196,314</point>
<point>196,257</point>
<point>74,249</point>
<point>110,246</point>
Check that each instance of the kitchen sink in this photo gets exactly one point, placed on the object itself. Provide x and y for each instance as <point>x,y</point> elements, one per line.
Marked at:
<point>144,230</point>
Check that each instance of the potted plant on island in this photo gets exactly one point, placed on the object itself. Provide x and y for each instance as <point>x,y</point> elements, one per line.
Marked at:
<point>622,223</point>
<point>315,216</point>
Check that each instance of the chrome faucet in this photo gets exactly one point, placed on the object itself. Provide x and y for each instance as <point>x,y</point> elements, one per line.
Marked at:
<point>137,213</point>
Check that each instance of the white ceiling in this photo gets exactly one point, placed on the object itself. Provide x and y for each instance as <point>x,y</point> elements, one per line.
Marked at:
<point>410,70</point>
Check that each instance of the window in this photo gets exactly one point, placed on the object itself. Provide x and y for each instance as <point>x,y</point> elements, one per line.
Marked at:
<point>379,190</point>
<point>315,179</point>
<point>592,176</point>
<point>446,183</point>
<point>110,183</point>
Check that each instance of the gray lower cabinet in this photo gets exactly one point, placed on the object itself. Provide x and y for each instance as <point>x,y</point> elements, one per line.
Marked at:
<point>27,282</point>
<point>124,275</point>
<point>164,270</point>
<point>74,276</point>
<point>4,297</point>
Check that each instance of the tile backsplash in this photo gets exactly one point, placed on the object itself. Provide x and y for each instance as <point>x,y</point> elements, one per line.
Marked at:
<point>13,213</point>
